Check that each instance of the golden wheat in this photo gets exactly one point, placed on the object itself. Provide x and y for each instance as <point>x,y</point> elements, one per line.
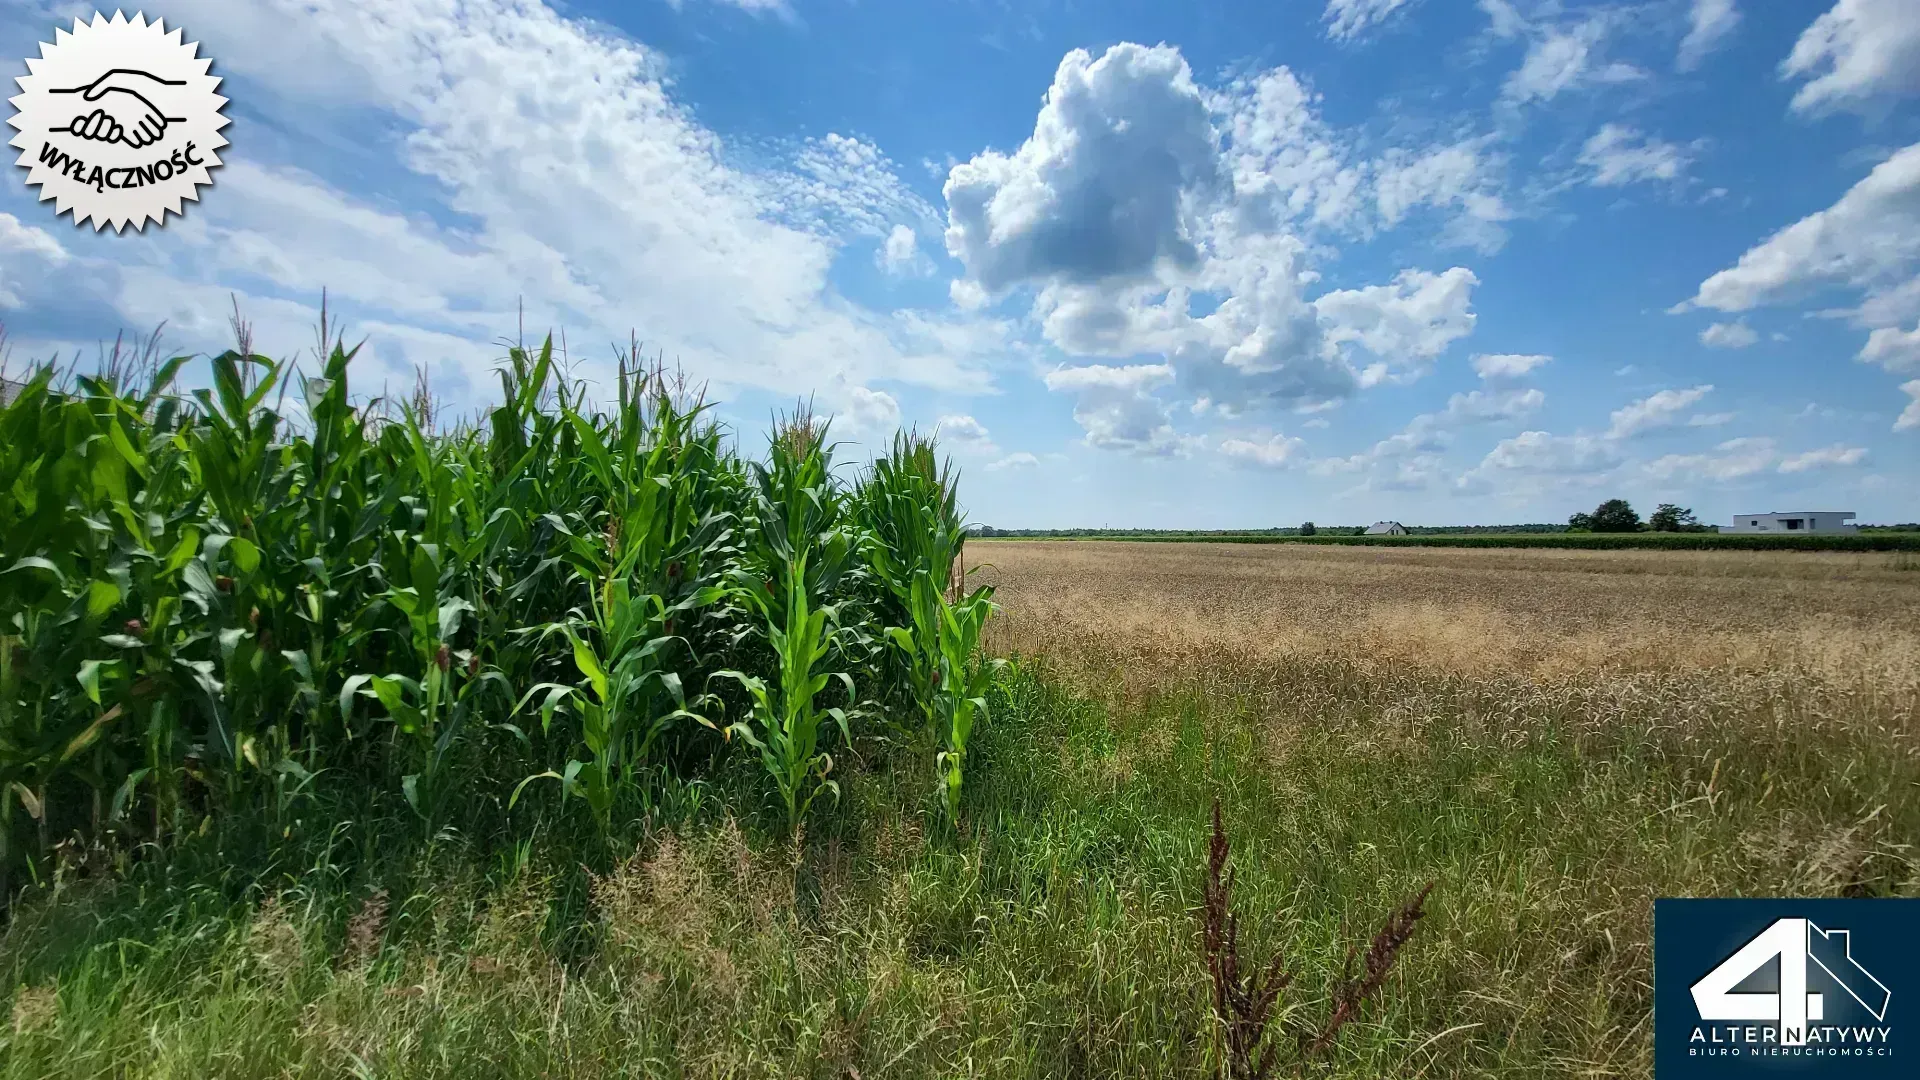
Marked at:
<point>1466,611</point>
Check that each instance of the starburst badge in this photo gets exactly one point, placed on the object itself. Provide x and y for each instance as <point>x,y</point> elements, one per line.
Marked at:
<point>118,122</point>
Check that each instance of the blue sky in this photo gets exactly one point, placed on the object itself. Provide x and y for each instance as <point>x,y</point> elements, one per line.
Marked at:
<point>1198,264</point>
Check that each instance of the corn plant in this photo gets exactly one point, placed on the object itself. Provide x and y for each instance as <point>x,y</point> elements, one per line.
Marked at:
<point>647,570</point>
<point>92,517</point>
<point>210,602</point>
<point>914,538</point>
<point>800,554</point>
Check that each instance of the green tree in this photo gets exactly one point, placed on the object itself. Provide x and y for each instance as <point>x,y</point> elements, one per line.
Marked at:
<point>1307,529</point>
<point>1615,516</point>
<point>1670,518</point>
<point>1580,523</point>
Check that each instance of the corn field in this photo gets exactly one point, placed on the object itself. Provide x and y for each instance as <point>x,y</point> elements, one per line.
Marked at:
<point>211,603</point>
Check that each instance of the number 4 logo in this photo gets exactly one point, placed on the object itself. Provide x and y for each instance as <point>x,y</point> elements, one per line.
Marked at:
<point>1796,942</point>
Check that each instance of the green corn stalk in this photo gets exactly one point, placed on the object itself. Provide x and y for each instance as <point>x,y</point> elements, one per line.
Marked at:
<point>960,699</point>
<point>914,537</point>
<point>210,603</point>
<point>801,552</point>
<point>647,572</point>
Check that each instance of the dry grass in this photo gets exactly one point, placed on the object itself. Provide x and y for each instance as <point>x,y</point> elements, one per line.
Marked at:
<point>1851,618</point>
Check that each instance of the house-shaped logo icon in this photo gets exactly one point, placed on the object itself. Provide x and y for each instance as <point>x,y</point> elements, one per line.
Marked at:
<point>1804,951</point>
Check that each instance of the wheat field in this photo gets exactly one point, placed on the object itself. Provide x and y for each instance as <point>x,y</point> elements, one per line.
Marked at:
<point>1466,611</point>
<point>1556,737</point>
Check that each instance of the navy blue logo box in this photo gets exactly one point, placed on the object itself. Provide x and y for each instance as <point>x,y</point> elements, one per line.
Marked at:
<point>1786,988</point>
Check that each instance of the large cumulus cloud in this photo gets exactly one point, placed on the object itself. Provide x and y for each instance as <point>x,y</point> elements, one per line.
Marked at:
<point>1149,217</point>
<point>1103,189</point>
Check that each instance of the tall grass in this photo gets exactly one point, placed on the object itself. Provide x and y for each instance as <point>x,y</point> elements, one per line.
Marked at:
<point>215,605</point>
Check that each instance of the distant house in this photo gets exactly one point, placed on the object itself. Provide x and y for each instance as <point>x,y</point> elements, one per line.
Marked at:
<point>10,390</point>
<point>1386,528</point>
<point>1805,521</point>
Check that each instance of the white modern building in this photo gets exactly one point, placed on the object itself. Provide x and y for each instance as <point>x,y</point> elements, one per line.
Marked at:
<point>1805,521</point>
<point>1386,528</point>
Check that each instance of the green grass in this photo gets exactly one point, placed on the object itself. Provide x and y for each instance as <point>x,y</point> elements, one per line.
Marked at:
<point>1053,935</point>
<point>1864,541</point>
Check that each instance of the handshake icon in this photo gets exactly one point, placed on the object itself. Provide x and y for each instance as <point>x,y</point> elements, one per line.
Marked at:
<point>122,108</point>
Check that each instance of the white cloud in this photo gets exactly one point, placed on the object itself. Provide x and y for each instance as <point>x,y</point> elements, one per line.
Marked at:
<point>1412,459</point>
<point>546,160</point>
<point>1406,323</point>
<point>1534,462</point>
<point>967,435</point>
<point>1654,412</point>
<point>1115,407</point>
<point>1285,162</point>
<point>1019,460</point>
<point>1131,378</point>
<point>1507,365</point>
<point>967,295</point>
<point>1460,175</point>
<point>900,254</point>
<point>755,7</point>
<point>1531,460</point>
<point>1910,416</point>
<point>26,252</point>
<point>1504,20</point>
<point>1140,197</point>
<point>840,185</point>
<point>1272,452</point>
<point>17,238</point>
<point>1101,188</point>
<point>1619,155</point>
<point>962,429</point>
<point>1893,348</point>
<point>1859,50</point>
<point>1540,452</point>
<point>1289,166</point>
<point>1708,22</point>
<point>1731,460</point>
<point>1824,458</point>
<point>1563,58</point>
<point>1408,460</point>
<point>868,415</point>
<point>1494,405</point>
<point>1348,19</point>
<point>1733,335</point>
<point>1869,238</point>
